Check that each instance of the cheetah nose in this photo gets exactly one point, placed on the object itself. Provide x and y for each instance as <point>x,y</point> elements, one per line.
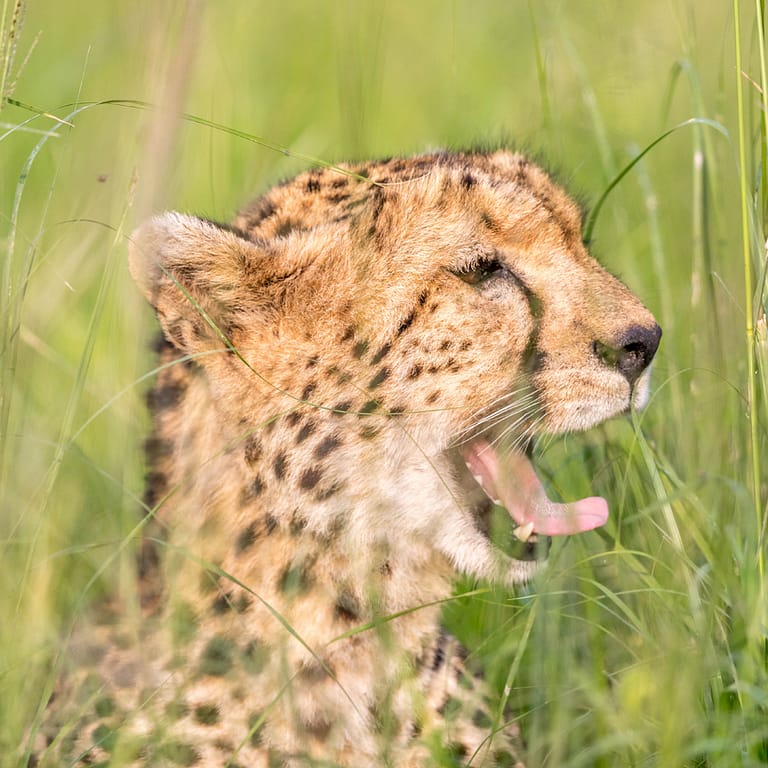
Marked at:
<point>633,351</point>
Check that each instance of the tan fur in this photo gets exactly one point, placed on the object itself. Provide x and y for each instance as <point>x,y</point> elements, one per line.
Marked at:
<point>333,352</point>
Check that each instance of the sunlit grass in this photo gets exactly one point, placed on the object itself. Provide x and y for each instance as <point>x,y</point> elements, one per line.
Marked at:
<point>643,644</point>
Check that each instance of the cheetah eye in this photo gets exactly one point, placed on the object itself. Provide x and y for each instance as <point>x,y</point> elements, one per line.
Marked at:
<point>480,272</point>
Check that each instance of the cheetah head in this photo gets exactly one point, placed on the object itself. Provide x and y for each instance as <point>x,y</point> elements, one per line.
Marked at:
<point>444,305</point>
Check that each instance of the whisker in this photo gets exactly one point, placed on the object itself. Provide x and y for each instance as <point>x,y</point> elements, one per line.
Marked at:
<point>521,395</point>
<point>510,410</point>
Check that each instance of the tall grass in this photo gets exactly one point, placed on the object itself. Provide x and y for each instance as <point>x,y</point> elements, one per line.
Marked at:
<point>644,644</point>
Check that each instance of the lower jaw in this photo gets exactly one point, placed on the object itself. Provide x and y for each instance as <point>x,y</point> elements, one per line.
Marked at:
<point>496,523</point>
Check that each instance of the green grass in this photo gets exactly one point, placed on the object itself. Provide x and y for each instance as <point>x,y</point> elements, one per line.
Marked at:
<point>644,644</point>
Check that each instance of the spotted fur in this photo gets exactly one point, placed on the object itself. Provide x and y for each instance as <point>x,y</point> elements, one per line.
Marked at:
<point>322,358</point>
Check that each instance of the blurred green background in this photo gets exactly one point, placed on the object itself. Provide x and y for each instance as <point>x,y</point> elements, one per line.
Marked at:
<point>644,644</point>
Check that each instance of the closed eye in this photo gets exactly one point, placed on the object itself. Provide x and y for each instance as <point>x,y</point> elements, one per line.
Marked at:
<point>481,272</point>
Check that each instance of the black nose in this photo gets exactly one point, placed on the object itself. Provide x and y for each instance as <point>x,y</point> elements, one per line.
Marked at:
<point>632,352</point>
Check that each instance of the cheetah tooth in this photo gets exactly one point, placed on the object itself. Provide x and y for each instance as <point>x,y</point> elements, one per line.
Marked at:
<point>523,532</point>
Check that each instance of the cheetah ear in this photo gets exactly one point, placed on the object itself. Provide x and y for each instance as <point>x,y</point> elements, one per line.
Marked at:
<point>195,274</point>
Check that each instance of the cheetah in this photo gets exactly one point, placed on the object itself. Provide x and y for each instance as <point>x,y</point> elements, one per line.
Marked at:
<point>352,376</point>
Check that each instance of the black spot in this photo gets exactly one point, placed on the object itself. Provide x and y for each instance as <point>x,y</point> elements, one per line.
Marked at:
<point>381,354</point>
<point>326,445</point>
<point>369,408</point>
<point>165,396</point>
<point>360,349</point>
<point>225,603</point>
<point>104,707</point>
<point>397,410</point>
<point>489,222</point>
<point>379,378</point>
<point>457,750</point>
<point>246,538</point>
<point>286,227</point>
<point>451,706</point>
<point>377,206</point>
<point>415,372</point>
<point>104,737</point>
<point>312,362</point>
<point>297,524</point>
<point>385,569</point>
<point>349,334</point>
<point>343,407</point>
<point>255,732</point>
<point>228,748</point>
<point>295,579</point>
<point>308,390</point>
<point>434,307</point>
<point>222,604</point>
<point>369,431</point>
<point>207,714</point>
<point>242,603</point>
<point>293,418</point>
<point>217,657</point>
<point>482,719</point>
<point>262,210</point>
<point>313,185</point>
<point>156,486</point>
<point>406,324</point>
<point>312,672</point>
<point>209,582</point>
<point>310,478</point>
<point>256,486</point>
<point>319,728</point>
<point>157,448</point>
<point>465,345</point>
<point>338,197</point>
<point>504,759</point>
<point>252,450</point>
<point>326,493</point>
<point>306,430</point>
<point>270,523</point>
<point>446,344</point>
<point>433,398</point>
<point>468,180</point>
<point>347,607</point>
<point>422,298</point>
<point>176,752</point>
<point>439,656</point>
<point>279,466</point>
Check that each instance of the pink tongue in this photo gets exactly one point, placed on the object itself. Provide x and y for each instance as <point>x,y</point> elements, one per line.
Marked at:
<point>509,477</point>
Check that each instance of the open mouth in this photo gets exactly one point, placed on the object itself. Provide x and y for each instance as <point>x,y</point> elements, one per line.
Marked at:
<point>504,480</point>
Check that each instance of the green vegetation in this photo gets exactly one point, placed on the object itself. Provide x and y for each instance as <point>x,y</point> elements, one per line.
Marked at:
<point>644,644</point>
